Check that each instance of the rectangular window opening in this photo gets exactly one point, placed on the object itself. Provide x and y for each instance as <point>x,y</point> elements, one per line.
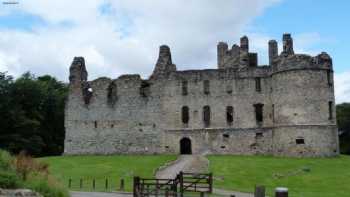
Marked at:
<point>95,124</point>
<point>226,135</point>
<point>185,114</point>
<point>259,112</point>
<point>329,81</point>
<point>300,141</point>
<point>229,115</point>
<point>206,116</point>
<point>259,135</point>
<point>258,84</point>
<point>184,88</point>
<point>206,87</point>
<point>330,110</point>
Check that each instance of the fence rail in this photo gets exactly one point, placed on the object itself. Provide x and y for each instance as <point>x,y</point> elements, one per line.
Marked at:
<point>184,182</point>
<point>92,184</point>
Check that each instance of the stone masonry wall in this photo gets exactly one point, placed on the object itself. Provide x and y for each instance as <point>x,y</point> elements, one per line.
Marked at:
<point>129,115</point>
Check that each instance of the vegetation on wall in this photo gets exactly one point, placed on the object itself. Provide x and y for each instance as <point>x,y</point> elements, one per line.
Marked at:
<point>32,114</point>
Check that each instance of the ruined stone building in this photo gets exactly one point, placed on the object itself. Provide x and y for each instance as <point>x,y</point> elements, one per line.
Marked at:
<point>285,108</point>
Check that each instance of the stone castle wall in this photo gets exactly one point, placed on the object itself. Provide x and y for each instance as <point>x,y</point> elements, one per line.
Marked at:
<point>130,115</point>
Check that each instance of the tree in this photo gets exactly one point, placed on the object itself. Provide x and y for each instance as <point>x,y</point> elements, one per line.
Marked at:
<point>343,121</point>
<point>32,114</point>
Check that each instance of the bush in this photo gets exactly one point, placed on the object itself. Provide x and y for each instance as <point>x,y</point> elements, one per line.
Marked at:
<point>9,180</point>
<point>5,161</point>
<point>47,187</point>
<point>26,172</point>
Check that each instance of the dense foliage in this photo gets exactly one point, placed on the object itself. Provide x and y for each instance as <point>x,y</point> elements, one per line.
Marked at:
<point>32,114</point>
<point>343,120</point>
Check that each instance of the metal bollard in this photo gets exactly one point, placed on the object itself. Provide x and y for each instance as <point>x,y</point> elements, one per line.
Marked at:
<point>69,183</point>
<point>281,192</point>
<point>259,191</point>
<point>121,185</point>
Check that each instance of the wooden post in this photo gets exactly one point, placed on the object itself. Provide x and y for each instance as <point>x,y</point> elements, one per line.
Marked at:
<point>202,194</point>
<point>81,183</point>
<point>259,191</point>
<point>69,183</point>
<point>210,182</point>
<point>281,192</point>
<point>181,180</point>
<point>106,184</point>
<point>121,188</point>
<point>157,188</point>
<point>166,192</point>
<point>136,186</point>
<point>93,184</point>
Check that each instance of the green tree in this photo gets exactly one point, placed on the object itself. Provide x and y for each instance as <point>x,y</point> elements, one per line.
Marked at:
<point>343,121</point>
<point>32,114</point>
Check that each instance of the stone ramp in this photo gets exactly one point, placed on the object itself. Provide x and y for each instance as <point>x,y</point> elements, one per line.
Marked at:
<point>185,163</point>
<point>194,164</point>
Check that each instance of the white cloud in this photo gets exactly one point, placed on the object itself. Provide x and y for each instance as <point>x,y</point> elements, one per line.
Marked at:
<point>127,39</point>
<point>342,87</point>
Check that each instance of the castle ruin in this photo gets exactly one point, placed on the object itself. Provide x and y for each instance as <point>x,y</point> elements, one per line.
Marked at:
<point>285,108</point>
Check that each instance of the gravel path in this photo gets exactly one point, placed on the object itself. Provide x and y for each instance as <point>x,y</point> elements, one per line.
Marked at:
<point>185,163</point>
<point>194,164</point>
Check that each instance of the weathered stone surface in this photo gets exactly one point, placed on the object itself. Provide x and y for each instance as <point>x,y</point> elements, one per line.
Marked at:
<point>18,193</point>
<point>129,115</point>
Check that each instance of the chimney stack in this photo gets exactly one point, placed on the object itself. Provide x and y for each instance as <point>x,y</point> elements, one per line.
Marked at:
<point>287,44</point>
<point>273,51</point>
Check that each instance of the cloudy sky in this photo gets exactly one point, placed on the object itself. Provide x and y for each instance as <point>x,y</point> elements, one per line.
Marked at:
<point>122,36</point>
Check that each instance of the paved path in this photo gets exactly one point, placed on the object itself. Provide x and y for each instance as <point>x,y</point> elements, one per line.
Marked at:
<point>99,194</point>
<point>194,164</point>
<point>185,163</point>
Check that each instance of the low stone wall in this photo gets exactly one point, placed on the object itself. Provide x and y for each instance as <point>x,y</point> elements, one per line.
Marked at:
<point>18,193</point>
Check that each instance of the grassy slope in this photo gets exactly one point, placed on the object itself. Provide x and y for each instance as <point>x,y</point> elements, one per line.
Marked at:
<point>101,167</point>
<point>328,177</point>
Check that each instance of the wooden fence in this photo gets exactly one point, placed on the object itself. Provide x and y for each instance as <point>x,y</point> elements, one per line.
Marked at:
<point>184,182</point>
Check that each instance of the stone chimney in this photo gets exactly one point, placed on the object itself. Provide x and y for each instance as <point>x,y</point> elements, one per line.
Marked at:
<point>273,51</point>
<point>164,63</point>
<point>77,70</point>
<point>222,49</point>
<point>287,45</point>
<point>245,44</point>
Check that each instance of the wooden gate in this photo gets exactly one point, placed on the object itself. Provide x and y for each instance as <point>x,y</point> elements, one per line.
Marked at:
<point>184,182</point>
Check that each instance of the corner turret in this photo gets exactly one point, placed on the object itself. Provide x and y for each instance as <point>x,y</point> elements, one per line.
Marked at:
<point>164,63</point>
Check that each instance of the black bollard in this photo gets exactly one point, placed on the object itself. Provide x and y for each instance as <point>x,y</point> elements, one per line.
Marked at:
<point>281,192</point>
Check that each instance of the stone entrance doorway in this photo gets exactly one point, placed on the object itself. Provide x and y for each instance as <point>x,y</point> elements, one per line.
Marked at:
<point>185,146</point>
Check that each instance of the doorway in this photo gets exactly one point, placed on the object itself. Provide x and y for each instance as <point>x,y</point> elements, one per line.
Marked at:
<point>185,146</point>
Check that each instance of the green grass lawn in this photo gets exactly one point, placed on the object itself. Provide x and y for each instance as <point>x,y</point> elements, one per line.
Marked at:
<point>101,167</point>
<point>321,177</point>
<point>309,177</point>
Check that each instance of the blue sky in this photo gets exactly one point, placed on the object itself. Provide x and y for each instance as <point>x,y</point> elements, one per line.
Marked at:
<point>329,19</point>
<point>123,36</point>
